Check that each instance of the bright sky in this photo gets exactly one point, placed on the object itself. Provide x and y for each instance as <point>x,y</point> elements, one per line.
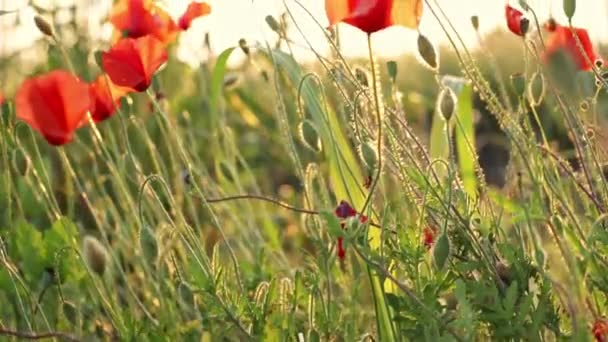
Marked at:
<point>235,19</point>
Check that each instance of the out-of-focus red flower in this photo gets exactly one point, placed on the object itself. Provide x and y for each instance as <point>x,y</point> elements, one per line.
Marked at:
<point>600,330</point>
<point>374,15</point>
<point>564,39</point>
<point>341,249</point>
<point>428,236</point>
<point>344,210</point>
<point>516,21</point>
<point>105,97</point>
<point>132,62</point>
<point>1,98</point>
<point>138,18</point>
<point>194,10</point>
<point>54,104</point>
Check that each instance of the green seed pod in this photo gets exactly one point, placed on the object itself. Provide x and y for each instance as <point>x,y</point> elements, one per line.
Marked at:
<point>427,52</point>
<point>447,103</point>
<point>273,23</point>
<point>310,136</point>
<point>70,312</point>
<point>518,81</point>
<point>391,67</point>
<point>441,251</point>
<point>536,89</point>
<point>369,154</point>
<point>475,22</point>
<point>569,8</point>
<point>95,254</point>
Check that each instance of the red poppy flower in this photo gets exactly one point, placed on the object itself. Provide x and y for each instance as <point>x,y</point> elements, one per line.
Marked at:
<point>600,330</point>
<point>138,18</point>
<point>564,39</point>
<point>1,98</point>
<point>374,15</point>
<point>132,62</point>
<point>428,236</point>
<point>516,21</point>
<point>54,104</point>
<point>194,10</point>
<point>105,97</point>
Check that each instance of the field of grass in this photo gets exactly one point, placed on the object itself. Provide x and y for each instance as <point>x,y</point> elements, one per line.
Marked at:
<point>268,202</point>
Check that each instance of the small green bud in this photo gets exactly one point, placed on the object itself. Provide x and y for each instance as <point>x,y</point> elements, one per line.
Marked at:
<point>447,103</point>
<point>569,8</point>
<point>70,312</point>
<point>441,251</point>
<point>536,89</point>
<point>475,22</point>
<point>273,23</point>
<point>369,154</point>
<point>427,52</point>
<point>310,136</point>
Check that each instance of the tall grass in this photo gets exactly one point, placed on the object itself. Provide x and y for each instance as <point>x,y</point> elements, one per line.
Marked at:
<point>205,209</point>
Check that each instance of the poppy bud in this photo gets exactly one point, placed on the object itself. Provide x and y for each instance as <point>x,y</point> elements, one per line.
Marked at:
<point>309,136</point>
<point>369,154</point>
<point>524,26</point>
<point>427,52</point>
<point>551,25</point>
<point>70,312</point>
<point>475,22</point>
<point>518,81</point>
<point>536,89</point>
<point>95,254</point>
<point>441,251</point>
<point>244,47</point>
<point>44,26</point>
<point>447,103</point>
<point>21,162</point>
<point>569,8</point>
<point>273,23</point>
<point>391,67</point>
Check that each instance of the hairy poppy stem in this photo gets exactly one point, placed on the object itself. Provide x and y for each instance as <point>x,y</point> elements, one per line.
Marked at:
<point>37,336</point>
<point>374,184</point>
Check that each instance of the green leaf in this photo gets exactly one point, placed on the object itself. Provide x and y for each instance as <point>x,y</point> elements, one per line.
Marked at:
<point>30,250</point>
<point>465,140</point>
<point>217,84</point>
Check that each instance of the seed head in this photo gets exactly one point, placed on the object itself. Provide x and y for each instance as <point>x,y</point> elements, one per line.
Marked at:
<point>273,23</point>
<point>475,22</point>
<point>244,46</point>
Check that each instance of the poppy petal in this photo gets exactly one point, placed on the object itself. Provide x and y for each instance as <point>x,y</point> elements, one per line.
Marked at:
<point>407,13</point>
<point>337,10</point>
<point>138,18</point>
<point>565,39</point>
<point>153,55</point>
<point>194,10</point>
<point>123,64</point>
<point>105,97</point>
<point>53,104</point>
